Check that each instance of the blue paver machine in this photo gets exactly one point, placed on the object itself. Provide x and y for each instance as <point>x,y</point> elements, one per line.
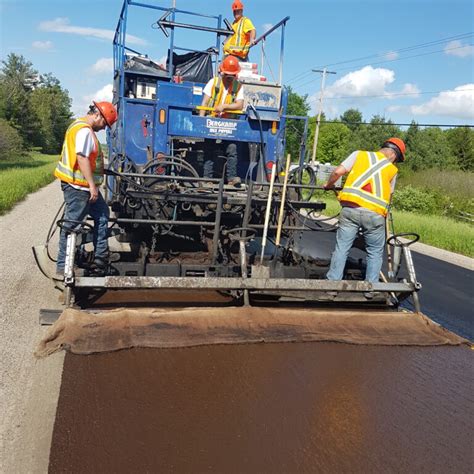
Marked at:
<point>180,230</point>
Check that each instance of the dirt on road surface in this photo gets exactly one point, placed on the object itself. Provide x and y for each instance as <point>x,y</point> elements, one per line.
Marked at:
<point>28,388</point>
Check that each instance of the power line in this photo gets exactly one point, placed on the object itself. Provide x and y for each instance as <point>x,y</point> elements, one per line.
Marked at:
<point>391,60</point>
<point>401,50</point>
<point>401,124</point>
<point>414,56</point>
<point>389,95</point>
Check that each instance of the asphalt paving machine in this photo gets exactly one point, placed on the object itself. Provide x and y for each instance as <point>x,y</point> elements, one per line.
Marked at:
<point>265,239</point>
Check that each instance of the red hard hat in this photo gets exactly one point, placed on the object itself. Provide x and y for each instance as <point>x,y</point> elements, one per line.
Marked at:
<point>108,111</point>
<point>399,144</point>
<point>230,66</point>
<point>237,5</point>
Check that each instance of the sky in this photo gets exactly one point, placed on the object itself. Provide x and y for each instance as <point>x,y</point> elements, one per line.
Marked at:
<point>402,59</point>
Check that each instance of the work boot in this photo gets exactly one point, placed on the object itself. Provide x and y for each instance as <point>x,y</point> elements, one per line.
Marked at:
<point>98,267</point>
<point>236,181</point>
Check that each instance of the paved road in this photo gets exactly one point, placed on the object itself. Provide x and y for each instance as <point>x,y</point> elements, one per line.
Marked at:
<point>447,293</point>
<point>29,388</point>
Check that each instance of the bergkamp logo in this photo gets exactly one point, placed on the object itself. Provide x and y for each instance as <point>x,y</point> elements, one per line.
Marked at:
<point>220,124</point>
<point>221,127</point>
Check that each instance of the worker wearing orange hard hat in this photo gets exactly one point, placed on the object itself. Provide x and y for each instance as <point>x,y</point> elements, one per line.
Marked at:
<point>365,200</point>
<point>81,172</point>
<point>244,33</point>
<point>224,93</point>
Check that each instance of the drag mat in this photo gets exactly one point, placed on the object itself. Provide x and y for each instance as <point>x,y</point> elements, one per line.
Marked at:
<point>266,408</point>
<point>80,332</point>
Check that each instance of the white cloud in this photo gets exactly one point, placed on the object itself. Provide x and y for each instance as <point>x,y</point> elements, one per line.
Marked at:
<point>391,55</point>
<point>457,103</point>
<point>42,45</point>
<point>62,25</point>
<point>266,27</point>
<point>102,66</point>
<point>456,48</point>
<point>364,82</point>
<point>411,89</point>
<point>102,94</point>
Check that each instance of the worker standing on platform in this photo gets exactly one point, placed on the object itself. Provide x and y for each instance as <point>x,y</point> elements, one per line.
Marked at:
<point>365,200</point>
<point>81,172</point>
<point>244,34</point>
<point>223,93</point>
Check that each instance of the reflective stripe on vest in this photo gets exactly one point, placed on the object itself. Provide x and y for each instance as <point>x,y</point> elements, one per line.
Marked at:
<point>374,169</point>
<point>217,92</point>
<point>67,169</point>
<point>238,44</point>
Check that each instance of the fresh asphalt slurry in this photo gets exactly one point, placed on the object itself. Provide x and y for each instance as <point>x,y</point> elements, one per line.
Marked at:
<point>299,407</point>
<point>266,408</point>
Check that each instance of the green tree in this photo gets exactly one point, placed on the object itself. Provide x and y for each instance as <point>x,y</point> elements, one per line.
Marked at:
<point>461,143</point>
<point>11,144</point>
<point>17,80</point>
<point>52,106</point>
<point>428,148</point>
<point>371,136</point>
<point>333,143</point>
<point>297,105</point>
<point>352,118</point>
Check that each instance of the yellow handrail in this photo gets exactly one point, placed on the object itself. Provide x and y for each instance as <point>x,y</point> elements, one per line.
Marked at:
<point>211,109</point>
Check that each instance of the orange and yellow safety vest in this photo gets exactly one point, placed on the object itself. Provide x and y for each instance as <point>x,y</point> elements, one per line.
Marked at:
<point>368,183</point>
<point>239,43</point>
<point>217,93</point>
<point>67,169</point>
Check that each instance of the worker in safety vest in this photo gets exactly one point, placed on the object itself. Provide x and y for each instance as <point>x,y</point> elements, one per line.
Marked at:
<point>81,170</point>
<point>365,200</point>
<point>223,93</point>
<point>244,34</point>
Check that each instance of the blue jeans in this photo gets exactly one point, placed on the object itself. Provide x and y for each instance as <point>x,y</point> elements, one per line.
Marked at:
<point>78,207</point>
<point>211,149</point>
<point>373,230</point>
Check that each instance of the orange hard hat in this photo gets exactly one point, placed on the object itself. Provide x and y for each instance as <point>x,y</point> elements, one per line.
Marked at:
<point>398,145</point>
<point>108,111</point>
<point>237,5</point>
<point>230,66</point>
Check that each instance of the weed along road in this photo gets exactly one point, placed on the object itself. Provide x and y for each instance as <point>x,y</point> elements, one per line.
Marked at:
<point>302,407</point>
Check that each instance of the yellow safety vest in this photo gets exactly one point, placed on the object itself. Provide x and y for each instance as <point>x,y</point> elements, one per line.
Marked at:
<point>67,169</point>
<point>217,92</point>
<point>239,43</point>
<point>374,169</point>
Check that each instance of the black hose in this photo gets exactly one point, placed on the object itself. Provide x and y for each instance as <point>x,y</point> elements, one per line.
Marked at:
<point>263,154</point>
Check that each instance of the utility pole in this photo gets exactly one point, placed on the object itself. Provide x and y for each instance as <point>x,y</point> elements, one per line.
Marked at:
<point>318,119</point>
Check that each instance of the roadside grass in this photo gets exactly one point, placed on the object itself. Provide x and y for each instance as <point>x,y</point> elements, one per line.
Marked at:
<point>457,184</point>
<point>21,176</point>
<point>438,231</point>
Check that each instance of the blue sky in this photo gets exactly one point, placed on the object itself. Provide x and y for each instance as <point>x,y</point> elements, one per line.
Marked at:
<point>418,55</point>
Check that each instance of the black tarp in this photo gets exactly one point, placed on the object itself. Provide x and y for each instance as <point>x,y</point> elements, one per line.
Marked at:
<point>194,66</point>
<point>144,66</point>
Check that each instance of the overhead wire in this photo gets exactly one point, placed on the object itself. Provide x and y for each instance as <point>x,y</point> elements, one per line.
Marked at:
<point>386,61</point>
<point>303,74</point>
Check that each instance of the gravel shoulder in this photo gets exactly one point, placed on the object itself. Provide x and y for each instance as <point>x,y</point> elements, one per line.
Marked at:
<point>29,388</point>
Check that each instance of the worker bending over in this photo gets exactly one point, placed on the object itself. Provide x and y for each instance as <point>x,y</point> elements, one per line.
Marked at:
<point>223,93</point>
<point>81,170</point>
<point>365,200</point>
<point>244,34</point>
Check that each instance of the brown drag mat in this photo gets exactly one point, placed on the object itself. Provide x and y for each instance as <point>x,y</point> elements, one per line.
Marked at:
<point>266,408</point>
<point>80,332</point>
